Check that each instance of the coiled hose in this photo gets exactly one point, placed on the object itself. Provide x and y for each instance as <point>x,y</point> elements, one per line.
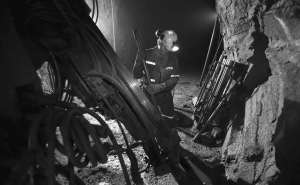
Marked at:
<point>71,122</point>
<point>134,167</point>
<point>75,131</point>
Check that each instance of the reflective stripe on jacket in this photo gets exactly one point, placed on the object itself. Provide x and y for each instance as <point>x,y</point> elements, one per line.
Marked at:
<point>162,69</point>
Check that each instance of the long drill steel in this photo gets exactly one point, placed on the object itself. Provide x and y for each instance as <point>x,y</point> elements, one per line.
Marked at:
<point>217,108</point>
<point>137,37</point>
<point>214,81</point>
<point>219,88</point>
<point>204,92</point>
<point>209,50</point>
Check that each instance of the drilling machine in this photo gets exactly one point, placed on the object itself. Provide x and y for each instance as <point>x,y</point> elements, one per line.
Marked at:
<point>61,36</point>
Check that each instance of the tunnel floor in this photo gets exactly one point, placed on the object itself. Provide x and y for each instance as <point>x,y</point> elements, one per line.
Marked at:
<point>201,164</point>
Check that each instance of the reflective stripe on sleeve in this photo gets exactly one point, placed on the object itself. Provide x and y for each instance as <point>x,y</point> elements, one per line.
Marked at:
<point>152,80</point>
<point>174,76</point>
<point>167,68</point>
<point>151,63</point>
<point>169,117</point>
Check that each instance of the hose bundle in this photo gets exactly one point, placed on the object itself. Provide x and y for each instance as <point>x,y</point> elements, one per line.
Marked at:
<point>58,16</point>
<point>75,131</point>
<point>63,23</point>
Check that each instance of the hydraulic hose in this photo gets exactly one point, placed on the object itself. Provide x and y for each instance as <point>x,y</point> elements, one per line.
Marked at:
<point>123,92</point>
<point>98,144</point>
<point>50,127</point>
<point>74,130</point>
<point>57,76</point>
<point>69,145</point>
<point>162,128</point>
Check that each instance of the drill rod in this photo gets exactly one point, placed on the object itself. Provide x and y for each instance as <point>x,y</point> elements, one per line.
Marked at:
<point>137,37</point>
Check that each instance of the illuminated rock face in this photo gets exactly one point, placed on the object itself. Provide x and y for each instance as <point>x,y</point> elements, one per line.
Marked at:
<point>262,145</point>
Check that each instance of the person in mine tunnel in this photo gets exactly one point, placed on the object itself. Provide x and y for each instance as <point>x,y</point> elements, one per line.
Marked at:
<point>162,65</point>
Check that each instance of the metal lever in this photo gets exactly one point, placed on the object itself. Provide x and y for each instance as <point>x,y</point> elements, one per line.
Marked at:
<point>137,37</point>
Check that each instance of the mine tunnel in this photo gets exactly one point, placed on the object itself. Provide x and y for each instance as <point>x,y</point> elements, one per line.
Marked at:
<point>109,92</point>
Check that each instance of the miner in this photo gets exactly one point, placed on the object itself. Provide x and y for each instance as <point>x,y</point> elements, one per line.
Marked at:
<point>162,65</point>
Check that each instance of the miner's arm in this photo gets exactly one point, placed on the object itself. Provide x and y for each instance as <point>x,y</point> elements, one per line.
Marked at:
<point>171,83</point>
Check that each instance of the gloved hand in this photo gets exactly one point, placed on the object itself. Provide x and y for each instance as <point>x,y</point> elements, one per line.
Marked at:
<point>141,54</point>
<point>153,88</point>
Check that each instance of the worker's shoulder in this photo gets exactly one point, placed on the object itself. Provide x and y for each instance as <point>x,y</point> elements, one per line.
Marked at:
<point>150,52</point>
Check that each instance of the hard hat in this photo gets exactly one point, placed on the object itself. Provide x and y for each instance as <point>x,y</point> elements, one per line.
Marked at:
<point>168,38</point>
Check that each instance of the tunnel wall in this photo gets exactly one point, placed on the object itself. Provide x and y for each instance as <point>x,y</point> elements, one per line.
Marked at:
<point>105,20</point>
<point>194,27</point>
<point>116,20</point>
<point>263,139</point>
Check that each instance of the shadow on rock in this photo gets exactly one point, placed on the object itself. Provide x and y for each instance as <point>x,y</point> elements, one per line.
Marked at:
<point>197,170</point>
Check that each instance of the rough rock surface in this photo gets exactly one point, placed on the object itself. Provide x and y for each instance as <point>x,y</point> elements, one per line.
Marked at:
<point>262,144</point>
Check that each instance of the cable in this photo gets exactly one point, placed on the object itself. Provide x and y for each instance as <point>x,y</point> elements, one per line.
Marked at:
<point>53,118</point>
<point>93,45</point>
<point>57,76</point>
<point>97,15</point>
<point>93,11</point>
<point>114,141</point>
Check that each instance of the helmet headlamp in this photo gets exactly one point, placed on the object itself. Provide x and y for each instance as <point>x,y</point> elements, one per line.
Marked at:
<point>168,38</point>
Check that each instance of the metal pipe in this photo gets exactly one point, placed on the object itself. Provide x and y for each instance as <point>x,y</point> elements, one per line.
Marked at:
<point>210,74</point>
<point>219,87</point>
<point>137,37</point>
<point>227,84</point>
<point>216,110</point>
<point>211,94</point>
<point>211,88</point>
<point>230,73</point>
<point>207,91</point>
<point>217,91</point>
<point>209,50</point>
<point>220,80</point>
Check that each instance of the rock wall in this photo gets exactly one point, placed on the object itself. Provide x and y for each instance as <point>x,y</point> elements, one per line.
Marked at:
<point>262,145</point>
<point>105,21</point>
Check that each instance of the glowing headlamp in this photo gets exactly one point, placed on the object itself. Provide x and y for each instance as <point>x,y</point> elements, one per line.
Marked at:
<point>175,46</point>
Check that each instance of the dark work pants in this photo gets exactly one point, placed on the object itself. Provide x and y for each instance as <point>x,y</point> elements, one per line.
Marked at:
<point>165,103</point>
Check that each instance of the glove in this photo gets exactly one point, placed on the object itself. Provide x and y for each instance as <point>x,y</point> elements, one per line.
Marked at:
<point>141,54</point>
<point>153,88</point>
